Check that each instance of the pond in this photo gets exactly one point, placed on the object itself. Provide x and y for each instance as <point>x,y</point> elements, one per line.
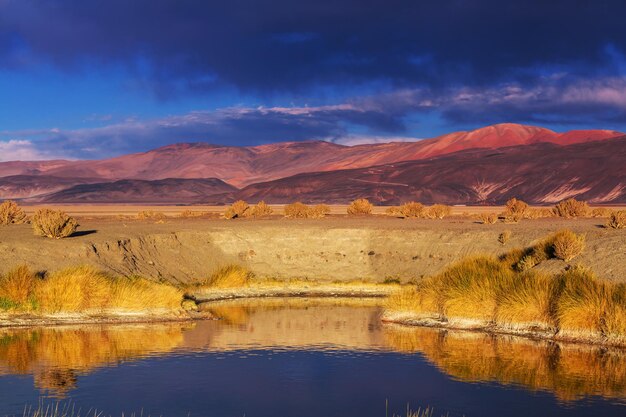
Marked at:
<point>305,358</point>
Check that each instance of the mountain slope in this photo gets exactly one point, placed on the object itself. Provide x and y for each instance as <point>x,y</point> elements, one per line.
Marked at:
<point>241,166</point>
<point>166,191</point>
<point>539,173</point>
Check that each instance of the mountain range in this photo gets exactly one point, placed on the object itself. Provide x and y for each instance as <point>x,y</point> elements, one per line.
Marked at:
<point>483,166</point>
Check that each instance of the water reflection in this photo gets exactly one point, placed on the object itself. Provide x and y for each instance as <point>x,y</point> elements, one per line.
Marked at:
<point>56,357</point>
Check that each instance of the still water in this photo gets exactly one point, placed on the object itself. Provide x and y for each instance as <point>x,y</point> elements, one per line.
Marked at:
<point>305,358</point>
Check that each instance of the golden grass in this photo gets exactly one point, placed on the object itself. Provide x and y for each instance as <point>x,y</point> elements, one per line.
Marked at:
<point>412,209</point>
<point>237,210</point>
<point>617,220</point>
<point>231,276</point>
<point>151,215</point>
<point>53,224</point>
<point>572,208</point>
<point>507,292</point>
<point>567,245</point>
<point>11,213</point>
<point>360,206</point>
<point>299,210</point>
<point>261,209</point>
<point>488,218</point>
<point>515,210</point>
<point>504,237</point>
<point>438,211</point>
<point>84,289</point>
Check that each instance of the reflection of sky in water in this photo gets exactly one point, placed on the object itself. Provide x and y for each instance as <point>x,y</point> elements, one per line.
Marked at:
<point>340,362</point>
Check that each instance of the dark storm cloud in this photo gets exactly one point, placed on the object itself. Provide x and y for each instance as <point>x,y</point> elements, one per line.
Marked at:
<point>285,45</point>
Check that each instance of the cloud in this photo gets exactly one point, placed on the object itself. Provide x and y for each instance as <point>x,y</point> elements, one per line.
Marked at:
<point>187,47</point>
<point>23,150</point>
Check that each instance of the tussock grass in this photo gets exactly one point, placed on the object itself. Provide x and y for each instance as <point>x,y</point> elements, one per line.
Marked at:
<point>438,211</point>
<point>360,206</point>
<point>231,276</point>
<point>571,208</point>
<point>83,289</point>
<point>299,210</point>
<point>151,215</point>
<point>568,245</point>
<point>11,213</point>
<point>508,293</point>
<point>261,209</point>
<point>53,224</point>
<point>504,237</point>
<point>412,209</point>
<point>538,213</point>
<point>515,210</point>
<point>488,218</point>
<point>617,220</point>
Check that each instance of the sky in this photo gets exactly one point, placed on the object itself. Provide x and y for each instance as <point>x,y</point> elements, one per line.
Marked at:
<point>92,79</point>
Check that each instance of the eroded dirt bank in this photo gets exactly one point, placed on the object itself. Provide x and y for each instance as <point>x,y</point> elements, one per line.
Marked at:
<point>373,249</point>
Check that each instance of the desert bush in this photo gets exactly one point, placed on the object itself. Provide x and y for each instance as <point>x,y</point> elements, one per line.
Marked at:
<point>318,211</point>
<point>538,213</point>
<point>617,220</point>
<point>261,209</point>
<point>53,224</point>
<point>572,208</point>
<point>515,210</point>
<point>412,209</point>
<point>438,211</point>
<point>296,210</point>
<point>238,210</point>
<point>393,211</point>
<point>11,213</point>
<point>601,212</point>
<point>191,214</point>
<point>567,245</point>
<point>504,237</point>
<point>360,206</point>
<point>488,218</point>
<point>151,215</point>
<point>17,285</point>
<point>232,276</point>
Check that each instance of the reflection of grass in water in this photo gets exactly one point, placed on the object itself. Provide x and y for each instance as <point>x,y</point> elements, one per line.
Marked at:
<point>55,356</point>
<point>570,371</point>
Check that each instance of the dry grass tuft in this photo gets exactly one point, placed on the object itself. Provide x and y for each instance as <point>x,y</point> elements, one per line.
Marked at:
<point>261,209</point>
<point>568,245</point>
<point>151,215</point>
<point>319,211</point>
<point>515,210</point>
<point>538,213</point>
<point>617,220</point>
<point>140,294</point>
<point>360,206</point>
<point>572,208</point>
<point>237,210</point>
<point>488,218</point>
<point>528,300</point>
<point>17,285</point>
<point>53,224</point>
<point>393,211</point>
<point>601,212</point>
<point>412,209</point>
<point>438,211</point>
<point>191,214</point>
<point>297,210</point>
<point>11,213</point>
<point>232,276</point>
<point>504,237</point>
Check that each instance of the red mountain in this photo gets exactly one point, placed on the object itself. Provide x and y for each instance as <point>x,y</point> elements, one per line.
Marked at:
<point>538,173</point>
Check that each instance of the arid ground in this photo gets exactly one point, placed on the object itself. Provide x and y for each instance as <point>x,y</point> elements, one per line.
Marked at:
<point>336,248</point>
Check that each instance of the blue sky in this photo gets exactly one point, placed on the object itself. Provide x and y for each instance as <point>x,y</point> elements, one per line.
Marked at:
<point>86,79</point>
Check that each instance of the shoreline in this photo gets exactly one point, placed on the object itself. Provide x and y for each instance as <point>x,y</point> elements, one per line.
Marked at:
<point>528,330</point>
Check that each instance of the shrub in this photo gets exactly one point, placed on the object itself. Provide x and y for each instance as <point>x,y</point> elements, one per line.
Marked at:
<point>438,211</point>
<point>319,211</point>
<point>151,215</point>
<point>515,210</point>
<point>237,210</point>
<point>261,209</point>
<point>538,213</point>
<point>360,206</point>
<point>53,224</point>
<point>571,208</point>
<point>567,245</point>
<point>190,214</point>
<point>17,285</point>
<point>412,209</point>
<point>504,237</point>
<point>232,276</point>
<point>601,212</point>
<point>617,220</point>
<point>11,213</point>
<point>296,210</point>
<point>488,218</point>
<point>393,211</point>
